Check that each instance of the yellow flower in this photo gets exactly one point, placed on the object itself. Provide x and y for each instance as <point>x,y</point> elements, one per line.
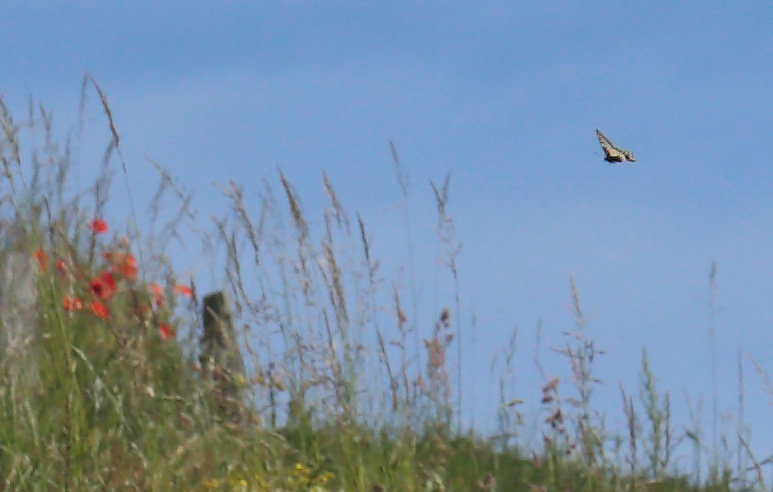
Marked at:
<point>211,484</point>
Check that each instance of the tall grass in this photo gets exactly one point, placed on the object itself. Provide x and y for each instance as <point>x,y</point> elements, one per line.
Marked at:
<point>102,386</point>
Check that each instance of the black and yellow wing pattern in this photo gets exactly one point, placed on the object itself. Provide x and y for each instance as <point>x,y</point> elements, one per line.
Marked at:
<point>612,153</point>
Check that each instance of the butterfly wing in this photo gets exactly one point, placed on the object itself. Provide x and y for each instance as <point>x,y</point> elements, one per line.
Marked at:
<point>612,153</point>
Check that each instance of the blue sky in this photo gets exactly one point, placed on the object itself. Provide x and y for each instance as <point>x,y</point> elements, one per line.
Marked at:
<point>505,97</point>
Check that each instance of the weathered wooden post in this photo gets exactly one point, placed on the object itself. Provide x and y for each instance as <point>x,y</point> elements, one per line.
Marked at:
<point>220,354</point>
<point>19,318</point>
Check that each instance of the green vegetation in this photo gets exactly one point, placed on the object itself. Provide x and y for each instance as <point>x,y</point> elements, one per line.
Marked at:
<point>102,386</point>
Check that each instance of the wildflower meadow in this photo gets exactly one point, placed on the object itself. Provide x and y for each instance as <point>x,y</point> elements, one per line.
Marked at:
<point>104,384</point>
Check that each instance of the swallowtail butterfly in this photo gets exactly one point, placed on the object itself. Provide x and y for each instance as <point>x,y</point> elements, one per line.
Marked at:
<point>612,153</point>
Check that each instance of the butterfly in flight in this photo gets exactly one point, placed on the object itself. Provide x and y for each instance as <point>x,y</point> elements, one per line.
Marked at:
<point>612,153</point>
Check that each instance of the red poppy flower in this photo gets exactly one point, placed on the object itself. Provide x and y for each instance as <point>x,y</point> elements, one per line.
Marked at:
<point>63,270</point>
<point>99,226</point>
<point>71,303</point>
<point>128,270</point>
<point>166,331</point>
<point>103,287</point>
<point>100,310</point>
<point>122,263</point>
<point>42,259</point>
<point>183,290</point>
<point>158,294</point>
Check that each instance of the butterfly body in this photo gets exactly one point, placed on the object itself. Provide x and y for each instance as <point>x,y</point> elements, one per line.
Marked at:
<point>612,153</point>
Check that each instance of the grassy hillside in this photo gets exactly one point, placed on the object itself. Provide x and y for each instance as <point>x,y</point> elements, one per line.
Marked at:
<point>103,385</point>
